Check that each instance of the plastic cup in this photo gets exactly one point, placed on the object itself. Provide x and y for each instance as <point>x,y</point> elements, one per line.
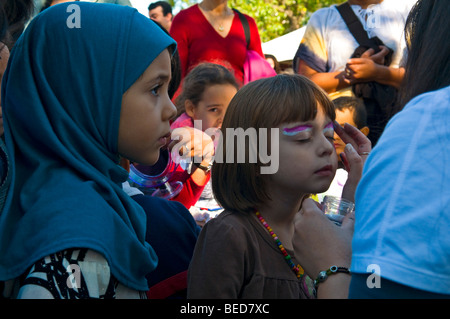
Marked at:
<point>336,208</point>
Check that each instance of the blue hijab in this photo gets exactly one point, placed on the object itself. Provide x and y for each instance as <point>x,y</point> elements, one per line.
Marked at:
<point>61,98</point>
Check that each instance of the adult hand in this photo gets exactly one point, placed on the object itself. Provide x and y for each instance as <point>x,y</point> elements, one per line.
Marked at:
<point>361,70</point>
<point>355,153</point>
<point>318,242</point>
<point>378,58</point>
<point>350,134</point>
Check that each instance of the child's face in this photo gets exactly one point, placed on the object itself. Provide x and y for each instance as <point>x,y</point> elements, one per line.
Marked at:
<point>212,106</point>
<point>146,110</point>
<point>307,162</point>
<point>342,117</point>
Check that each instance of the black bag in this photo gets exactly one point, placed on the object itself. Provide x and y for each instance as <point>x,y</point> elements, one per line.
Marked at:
<point>378,98</point>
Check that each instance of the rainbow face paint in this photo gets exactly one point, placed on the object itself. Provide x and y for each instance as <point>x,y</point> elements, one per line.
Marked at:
<point>291,131</point>
<point>329,128</point>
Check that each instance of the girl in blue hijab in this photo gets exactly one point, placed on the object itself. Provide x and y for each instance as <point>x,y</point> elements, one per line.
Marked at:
<point>86,84</point>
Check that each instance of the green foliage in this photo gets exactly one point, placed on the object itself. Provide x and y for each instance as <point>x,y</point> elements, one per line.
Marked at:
<point>277,17</point>
<point>274,17</point>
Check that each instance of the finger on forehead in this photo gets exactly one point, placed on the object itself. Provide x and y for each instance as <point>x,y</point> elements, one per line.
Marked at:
<point>354,133</point>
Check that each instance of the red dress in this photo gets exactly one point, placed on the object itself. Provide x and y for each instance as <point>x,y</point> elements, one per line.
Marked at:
<point>198,41</point>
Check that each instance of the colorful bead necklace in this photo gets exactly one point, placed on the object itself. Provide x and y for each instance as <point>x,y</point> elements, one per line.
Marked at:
<point>298,270</point>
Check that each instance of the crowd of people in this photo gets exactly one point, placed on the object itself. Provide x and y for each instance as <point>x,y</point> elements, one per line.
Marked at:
<point>363,118</point>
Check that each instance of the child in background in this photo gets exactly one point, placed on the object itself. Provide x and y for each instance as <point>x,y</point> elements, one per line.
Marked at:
<point>207,91</point>
<point>68,230</point>
<point>349,110</point>
<point>248,251</point>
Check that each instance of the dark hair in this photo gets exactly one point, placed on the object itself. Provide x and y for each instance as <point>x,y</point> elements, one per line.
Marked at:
<point>428,65</point>
<point>199,78</point>
<point>276,66</point>
<point>3,24</point>
<point>166,7</point>
<point>18,12</point>
<point>353,103</point>
<point>265,103</point>
<point>47,4</point>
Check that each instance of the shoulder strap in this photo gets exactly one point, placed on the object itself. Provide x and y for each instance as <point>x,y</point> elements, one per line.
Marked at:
<point>245,26</point>
<point>354,24</point>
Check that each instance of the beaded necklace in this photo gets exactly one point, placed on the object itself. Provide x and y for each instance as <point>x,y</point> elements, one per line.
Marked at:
<point>298,270</point>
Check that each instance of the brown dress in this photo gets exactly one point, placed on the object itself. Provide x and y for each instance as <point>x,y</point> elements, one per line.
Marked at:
<point>236,258</point>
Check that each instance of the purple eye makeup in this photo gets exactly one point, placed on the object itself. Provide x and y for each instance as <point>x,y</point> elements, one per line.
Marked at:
<point>296,129</point>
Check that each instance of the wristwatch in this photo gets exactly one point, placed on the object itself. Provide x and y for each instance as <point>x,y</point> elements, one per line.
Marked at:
<point>206,169</point>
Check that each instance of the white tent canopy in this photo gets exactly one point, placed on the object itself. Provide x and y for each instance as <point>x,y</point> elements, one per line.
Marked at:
<point>284,47</point>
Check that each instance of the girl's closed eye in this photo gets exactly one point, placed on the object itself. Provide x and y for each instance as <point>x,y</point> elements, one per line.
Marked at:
<point>328,131</point>
<point>304,137</point>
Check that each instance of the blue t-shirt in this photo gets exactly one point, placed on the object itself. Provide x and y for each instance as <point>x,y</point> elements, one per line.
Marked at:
<point>402,223</point>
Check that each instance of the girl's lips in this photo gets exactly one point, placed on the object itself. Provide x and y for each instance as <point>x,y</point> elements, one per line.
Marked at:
<point>165,139</point>
<point>325,171</point>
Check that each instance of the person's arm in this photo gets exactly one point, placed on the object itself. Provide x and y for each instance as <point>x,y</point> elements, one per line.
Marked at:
<point>191,191</point>
<point>329,81</point>
<point>198,146</point>
<point>194,145</point>
<point>334,287</point>
<point>320,244</point>
<point>312,57</point>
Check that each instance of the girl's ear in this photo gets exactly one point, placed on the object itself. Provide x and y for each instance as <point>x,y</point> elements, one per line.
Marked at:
<point>189,107</point>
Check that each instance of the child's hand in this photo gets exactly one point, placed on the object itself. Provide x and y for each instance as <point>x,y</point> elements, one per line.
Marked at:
<point>192,143</point>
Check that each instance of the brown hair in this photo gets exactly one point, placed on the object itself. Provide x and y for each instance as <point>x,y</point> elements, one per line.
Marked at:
<point>265,103</point>
<point>198,79</point>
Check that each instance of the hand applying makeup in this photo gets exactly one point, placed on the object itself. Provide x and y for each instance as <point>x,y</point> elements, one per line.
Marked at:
<point>355,154</point>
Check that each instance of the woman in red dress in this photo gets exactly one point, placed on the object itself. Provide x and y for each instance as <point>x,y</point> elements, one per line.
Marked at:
<point>212,32</point>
